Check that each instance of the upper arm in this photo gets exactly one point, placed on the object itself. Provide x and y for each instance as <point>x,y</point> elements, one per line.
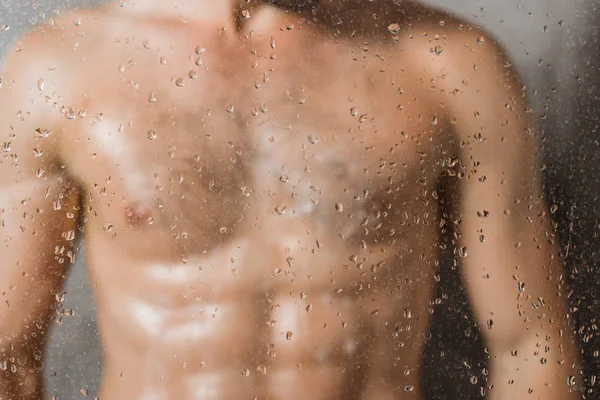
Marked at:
<point>510,262</point>
<point>38,202</point>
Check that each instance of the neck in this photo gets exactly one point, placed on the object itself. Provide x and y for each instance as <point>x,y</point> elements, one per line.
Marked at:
<point>191,11</point>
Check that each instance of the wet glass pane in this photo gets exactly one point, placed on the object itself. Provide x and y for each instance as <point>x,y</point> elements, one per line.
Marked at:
<point>312,199</point>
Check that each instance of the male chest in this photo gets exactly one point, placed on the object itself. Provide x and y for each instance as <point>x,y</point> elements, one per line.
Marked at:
<point>204,142</point>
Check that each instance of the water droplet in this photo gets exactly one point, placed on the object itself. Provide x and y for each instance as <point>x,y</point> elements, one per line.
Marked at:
<point>354,111</point>
<point>230,108</point>
<point>272,43</point>
<point>200,50</point>
<point>312,139</point>
<point>490,323</point>
<point>394,28</point>
<point>179,82</point>
<point>434,121</point>
<point>571,380</point>
<point>481,40</point>
<point>462,252</point>
<point>262,369</point>
<point>152,97</point>
<point>363,118</point>
<point>151,135</point>
<point>263,108</point>
<point>245,14</point>
<point>473,380</point>
<point>77,22</point>
<point>280,210</point>
<point>108,227</point>
<point>245,372</point>
<point>70,113</point>
<point>339,207</point>
<point>40,84</point>
<point>284,178</point>
<point>60,297</point>
<point>288,335</point>
<point>438,50</point>
<point>41,133</point>
<point>409,388</point>
<point>407,314</point>
<point>193,74</point>
<point>4,27</point>
<point>6,147</point>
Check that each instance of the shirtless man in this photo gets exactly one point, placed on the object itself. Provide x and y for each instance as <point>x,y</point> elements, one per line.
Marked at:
<point>259,195</point>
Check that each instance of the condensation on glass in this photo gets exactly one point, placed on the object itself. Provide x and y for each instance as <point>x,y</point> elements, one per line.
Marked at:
<point>298,199</point>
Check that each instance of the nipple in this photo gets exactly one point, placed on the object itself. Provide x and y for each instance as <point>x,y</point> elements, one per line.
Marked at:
<point>137,213</point>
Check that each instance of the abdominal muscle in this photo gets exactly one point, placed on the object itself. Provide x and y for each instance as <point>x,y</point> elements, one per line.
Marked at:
<point>271,316</point>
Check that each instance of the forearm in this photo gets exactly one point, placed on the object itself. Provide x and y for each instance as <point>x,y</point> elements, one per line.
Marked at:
<point>16,391</point>
<point>23,333</point>
<point>22,342</point>
<point>20,376</point>
<point>534,369</point>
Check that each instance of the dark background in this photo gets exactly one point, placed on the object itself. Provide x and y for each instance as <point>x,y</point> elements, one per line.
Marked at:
<point>555,45</point>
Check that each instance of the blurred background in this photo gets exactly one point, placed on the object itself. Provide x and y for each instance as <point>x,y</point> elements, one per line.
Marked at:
<point>555,45</point>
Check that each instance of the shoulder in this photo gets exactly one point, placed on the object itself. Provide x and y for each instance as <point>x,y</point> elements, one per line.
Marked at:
<point>455,53</point>
<point>470,74</point>
<point>463,69</point>
<point>422,42</point>
<point>465,73</point>
<point>57,39</point>
<point>49,58</point>
<point>40,81</point>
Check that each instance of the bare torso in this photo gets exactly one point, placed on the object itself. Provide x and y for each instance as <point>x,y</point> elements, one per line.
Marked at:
<point>259,210</point>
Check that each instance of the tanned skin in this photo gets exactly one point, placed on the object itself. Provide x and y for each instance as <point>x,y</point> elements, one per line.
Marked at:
<point>257,190</point>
